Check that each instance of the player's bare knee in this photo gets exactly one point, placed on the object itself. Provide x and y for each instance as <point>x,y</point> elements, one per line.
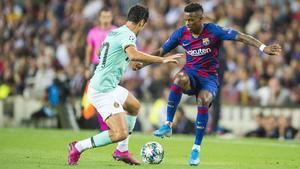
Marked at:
<point>136,108</point>
<point>204,98</point>
<point>203,101</point>
<point>199,102</point>
<point>181,79</point>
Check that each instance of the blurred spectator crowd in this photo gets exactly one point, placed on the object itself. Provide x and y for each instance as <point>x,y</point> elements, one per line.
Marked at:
<point>274,127</point>
<point>43,42</point>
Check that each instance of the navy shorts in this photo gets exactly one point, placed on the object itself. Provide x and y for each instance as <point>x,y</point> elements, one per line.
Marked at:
<point>198,82</point>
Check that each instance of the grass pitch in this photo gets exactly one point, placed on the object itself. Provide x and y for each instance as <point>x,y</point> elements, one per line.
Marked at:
<point>47,149</point>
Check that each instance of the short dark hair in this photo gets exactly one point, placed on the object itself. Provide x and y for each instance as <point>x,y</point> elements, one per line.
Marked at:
<point>137,13</point>
<point>104,9</point>
<point>193,7</point>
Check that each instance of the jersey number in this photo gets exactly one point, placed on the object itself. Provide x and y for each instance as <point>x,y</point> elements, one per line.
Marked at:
<point>106,46</point>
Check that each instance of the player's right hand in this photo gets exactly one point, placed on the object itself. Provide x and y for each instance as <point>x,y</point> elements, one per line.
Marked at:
<point>137,65</point>
<point>273,49</point>
<point>173,58</point>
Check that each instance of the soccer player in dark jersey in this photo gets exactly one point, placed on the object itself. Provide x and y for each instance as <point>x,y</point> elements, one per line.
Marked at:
<point>198,77</point>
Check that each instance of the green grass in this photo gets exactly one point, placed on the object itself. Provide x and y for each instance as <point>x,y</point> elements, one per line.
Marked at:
<point>47,149</point>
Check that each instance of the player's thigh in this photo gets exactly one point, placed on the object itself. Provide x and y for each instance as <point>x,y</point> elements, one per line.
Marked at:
<point>107,104</point>
<point>128,100</point>
<point>182,79</point>
<point>132,105</point>
<point>121,94</point>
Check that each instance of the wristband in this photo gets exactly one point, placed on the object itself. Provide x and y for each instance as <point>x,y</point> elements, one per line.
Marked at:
<point>262,47</point>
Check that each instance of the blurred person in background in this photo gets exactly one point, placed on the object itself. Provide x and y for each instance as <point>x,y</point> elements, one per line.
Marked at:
<point>285,129</point>
<point>246,87</point>
<point>96,36</point>
<point>270,124</point>
<point>273,94</point>
<point>45,74</point>
<point>90,118</point>
<point>267,127</point>
<point>259,131</point>
<point>182,124</point>
<point>273,127</point>
<point>158,110</point>
<point>297,137</point>
<point>158,82</point>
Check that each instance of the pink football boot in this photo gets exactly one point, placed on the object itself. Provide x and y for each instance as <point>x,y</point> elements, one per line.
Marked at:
<point>74,154</point>
<point>125,157</point>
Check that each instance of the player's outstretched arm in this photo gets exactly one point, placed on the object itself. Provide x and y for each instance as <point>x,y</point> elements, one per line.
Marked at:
<point>273,49</point>
<point>135,55</point>
<point>88,53</point>
<point>138,65</point>
<point>159,52</point>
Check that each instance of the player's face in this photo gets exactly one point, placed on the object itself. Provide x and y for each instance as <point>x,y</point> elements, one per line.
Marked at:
<point>105,18</point>
<point>193,21</point>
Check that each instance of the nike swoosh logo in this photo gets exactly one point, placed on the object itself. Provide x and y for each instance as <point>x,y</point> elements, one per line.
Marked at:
<point>185,44</point>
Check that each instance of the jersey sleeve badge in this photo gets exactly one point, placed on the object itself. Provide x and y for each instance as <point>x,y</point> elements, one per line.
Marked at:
<point>131,38</point>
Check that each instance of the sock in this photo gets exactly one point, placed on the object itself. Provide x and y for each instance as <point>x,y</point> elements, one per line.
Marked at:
<point>83,144</point>
<point>130,122</point>
<point>101,139</point>
<point>173,101</point>
<point>201,122</point>
<point>123,145</point>
<point>197,147</point>
<point>98,140</point>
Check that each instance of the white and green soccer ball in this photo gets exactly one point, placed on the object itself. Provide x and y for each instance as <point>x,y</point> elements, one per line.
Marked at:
<point>152,153</point>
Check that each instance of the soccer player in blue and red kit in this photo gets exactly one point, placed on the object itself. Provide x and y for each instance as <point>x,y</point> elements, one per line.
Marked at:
<point>201,42</point>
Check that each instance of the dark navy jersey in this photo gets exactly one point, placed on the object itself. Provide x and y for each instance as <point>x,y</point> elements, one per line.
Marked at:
<point>202,52</point>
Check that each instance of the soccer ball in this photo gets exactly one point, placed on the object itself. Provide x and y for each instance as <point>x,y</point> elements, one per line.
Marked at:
<point>152,153</point>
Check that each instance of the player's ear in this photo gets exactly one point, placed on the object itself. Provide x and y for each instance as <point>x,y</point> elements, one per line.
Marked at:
<point>141,23</point>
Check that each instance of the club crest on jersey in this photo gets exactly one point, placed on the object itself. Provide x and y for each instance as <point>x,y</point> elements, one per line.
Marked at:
<point>116,105</point>
<point>206,41</point>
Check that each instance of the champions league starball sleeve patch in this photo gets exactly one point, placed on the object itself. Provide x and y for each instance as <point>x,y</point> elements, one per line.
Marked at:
<point>132,38</point>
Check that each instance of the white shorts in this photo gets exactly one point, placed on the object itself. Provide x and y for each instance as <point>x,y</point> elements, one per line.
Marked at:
<point>109,103</point>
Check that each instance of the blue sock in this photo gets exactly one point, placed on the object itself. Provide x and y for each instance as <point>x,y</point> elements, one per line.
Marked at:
<point>201,122</point>
<point>173,101</point>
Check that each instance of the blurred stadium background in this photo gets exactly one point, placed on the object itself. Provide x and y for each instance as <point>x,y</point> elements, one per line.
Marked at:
<point>43,73</point>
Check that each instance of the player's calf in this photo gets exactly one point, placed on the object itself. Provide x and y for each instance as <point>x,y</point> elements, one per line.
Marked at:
<point>118,135</point>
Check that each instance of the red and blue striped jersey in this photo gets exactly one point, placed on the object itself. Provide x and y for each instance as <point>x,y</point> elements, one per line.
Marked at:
<point>201,52</point>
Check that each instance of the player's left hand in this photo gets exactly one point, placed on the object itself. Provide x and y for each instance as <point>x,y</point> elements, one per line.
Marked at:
<point>274,49</point>
<point>137,65</point>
